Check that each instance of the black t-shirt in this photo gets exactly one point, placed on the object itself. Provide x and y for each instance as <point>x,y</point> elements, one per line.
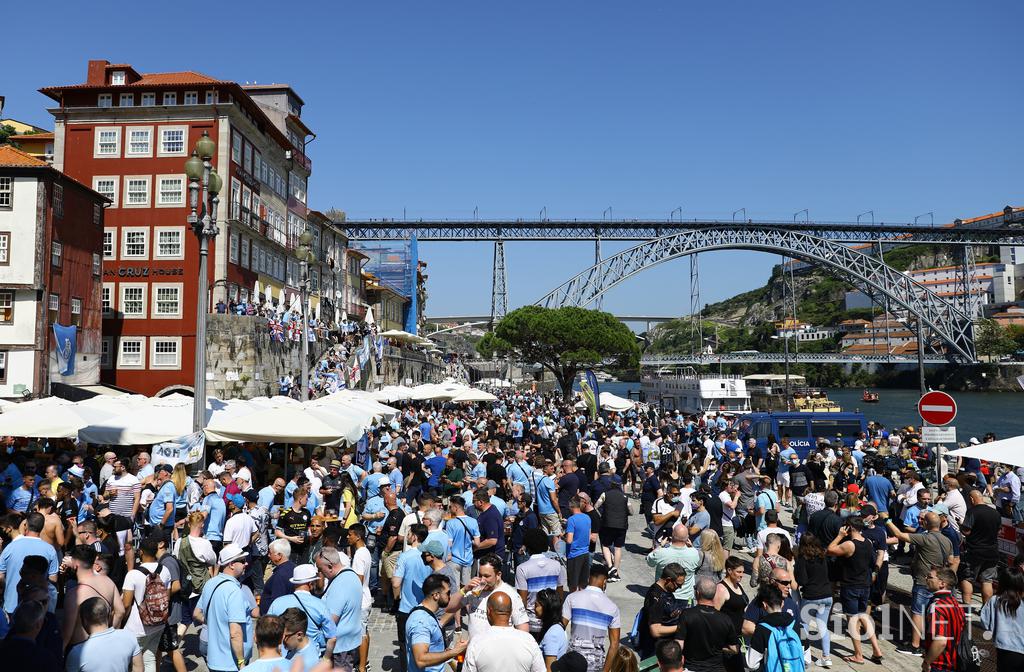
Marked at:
<point>412,466</point>
<point>855,570</point>
<point>587,466</point>
<point>595,526</point>
<point>824,525</point>
<point>392,524</point>
<point>983,522</point>
<point>496,472</point>
<point>705,632</point>
<point>713,505</point>
<point>296,524</point>
<point>568,446</point>
<point>660,607</point>
<point>877,536</point>
<point>332,500</point>
<point>568,485</point>
<point>460,457</point>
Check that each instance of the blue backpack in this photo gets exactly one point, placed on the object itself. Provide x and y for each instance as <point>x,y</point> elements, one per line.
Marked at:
<point>785,652</point>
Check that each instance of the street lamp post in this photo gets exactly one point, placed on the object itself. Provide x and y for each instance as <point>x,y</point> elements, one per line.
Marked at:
<point>304,255</point>
<point>203,220</point>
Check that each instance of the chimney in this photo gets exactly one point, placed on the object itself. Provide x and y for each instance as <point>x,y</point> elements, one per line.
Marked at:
<point>97,74</point>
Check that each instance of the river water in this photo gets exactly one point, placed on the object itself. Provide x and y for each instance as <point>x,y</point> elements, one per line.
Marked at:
<point>977,412</point>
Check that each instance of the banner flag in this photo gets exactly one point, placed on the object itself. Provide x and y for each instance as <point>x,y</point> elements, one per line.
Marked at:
<point>66,343</point>
<point>186,449</point>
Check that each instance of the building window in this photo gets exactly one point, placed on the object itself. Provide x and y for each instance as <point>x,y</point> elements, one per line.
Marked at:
<point>129,354</point>
<point>170,190</point>
<point>148,99</point>
<point>106,297</point>
<point>140,142</point>
<point>97,265</point>
<point>236,199</point>
<point>106,186</point>
<point>136,191</point>
<point>233,247</point>
<point>133,300</point>
<point>97,213</point>
<point>170,242</point>
<point>191,97</point>
<point>5,248</point>
<point>109,246</point>
<point>108,142</point>
<point>105,100</point>
<point>117,78</point>
<point>54,308</point>
<point>58,200</point>
<point>6,306</point>
<point>245,252</point>
<point>3,367</point>
<point>166,353</point>
<point>170,98</point>
<point>134,243</point>
<point>236,148</point>
<point>172,140</point>
<point>167,300</point>
<point>247,159</point>
<point>76,311</point>
<point>126,100</point>
<point>6,192</point>
<point>105,347</point>
<point>56,251</point>
<point>211,97</point>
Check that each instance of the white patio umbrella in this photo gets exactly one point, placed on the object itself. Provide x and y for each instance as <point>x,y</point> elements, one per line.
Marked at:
<point>344,316</point>
<point>369,315</point>
<point>162,419</point>
<point>286,424</point>
<point>472,395</point>
<point>256,293</point>
<point>1008,451</point>
<point>59,419</point>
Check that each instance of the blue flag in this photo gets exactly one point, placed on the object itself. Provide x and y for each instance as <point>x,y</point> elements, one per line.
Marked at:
<point>66,343</point>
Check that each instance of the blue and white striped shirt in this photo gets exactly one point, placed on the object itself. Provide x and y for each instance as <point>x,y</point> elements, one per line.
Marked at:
<point>591,614</point>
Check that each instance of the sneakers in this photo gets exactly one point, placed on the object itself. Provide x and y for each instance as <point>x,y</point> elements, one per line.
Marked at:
<point>823,662</point>
<point>911,650</point>
<point>613,575</point>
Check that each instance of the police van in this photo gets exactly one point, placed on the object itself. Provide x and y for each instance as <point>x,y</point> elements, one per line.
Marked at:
<point>803,429</point>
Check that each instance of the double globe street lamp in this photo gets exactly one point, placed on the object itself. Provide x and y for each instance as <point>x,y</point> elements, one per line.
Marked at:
<point>305,256</point>
<point>203,220</point>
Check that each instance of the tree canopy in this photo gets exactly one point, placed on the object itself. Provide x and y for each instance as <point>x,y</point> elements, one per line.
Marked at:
<point>564,341</point>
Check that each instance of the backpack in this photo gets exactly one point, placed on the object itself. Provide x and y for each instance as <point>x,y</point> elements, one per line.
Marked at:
<point>784,652</point>
<point>155,606</point>
<point>968,658</point>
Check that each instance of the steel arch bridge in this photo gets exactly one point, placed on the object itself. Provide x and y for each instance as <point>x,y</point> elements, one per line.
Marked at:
<point>948,322</point>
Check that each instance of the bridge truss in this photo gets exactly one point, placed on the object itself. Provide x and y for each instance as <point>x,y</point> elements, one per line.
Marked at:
<point>780,358</point>
<point>946,321</point>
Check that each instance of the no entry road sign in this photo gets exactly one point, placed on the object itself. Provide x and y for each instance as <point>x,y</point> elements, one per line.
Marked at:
<point>937,408</point>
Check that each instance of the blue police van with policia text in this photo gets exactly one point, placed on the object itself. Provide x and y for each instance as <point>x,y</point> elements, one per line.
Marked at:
<point>803,428</point>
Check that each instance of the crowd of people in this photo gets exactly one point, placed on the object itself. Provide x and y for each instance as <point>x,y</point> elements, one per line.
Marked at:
<point>489,535</point>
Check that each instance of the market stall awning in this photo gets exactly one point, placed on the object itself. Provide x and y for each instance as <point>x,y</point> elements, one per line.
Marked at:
<point>286,424</point>
<point>160,419</point>
<point>1008,451</point>
<point>610,402</point>
<point>56,419</point>
<point>472,395</point>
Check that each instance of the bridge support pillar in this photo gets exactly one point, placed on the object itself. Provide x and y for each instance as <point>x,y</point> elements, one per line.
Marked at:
<point>499,284</point>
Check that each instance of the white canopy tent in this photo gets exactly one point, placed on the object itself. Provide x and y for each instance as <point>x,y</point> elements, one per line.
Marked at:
<point>57,419</point>
<point>287,424</point>
<point>610,402</point>
<point>161,419</point>
<point>493,382</point>
<point>390,393</point>
<point>472,395</point>
<point>437,391</point>
<point>1008,451</point>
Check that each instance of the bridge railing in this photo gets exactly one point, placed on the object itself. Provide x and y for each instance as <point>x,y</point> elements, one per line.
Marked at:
<point>780,358</point>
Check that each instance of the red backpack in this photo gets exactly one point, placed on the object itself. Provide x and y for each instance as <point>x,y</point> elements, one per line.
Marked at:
<point>155,606</point>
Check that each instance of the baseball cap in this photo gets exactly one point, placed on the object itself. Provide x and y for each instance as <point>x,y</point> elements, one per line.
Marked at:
<point>974,441</point>
<point>231,553</point>
<point>383,481</point>
<point>434,548</point>
<point>491,485</point>
<point>237,500</point>
<point>251,495</point>
<point>165,467</point>
<point>303,574</point>
<point>616,479</point>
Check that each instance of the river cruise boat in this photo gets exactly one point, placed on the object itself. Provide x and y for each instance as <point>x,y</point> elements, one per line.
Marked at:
<point>699,394</point>
<point>814,400</point>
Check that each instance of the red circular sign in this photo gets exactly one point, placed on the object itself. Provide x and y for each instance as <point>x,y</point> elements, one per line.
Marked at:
<point>937,408</point>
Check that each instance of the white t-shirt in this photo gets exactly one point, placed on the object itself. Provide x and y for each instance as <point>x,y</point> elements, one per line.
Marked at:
<point>215,469</point>
<point>239,530</point>
<point>136,581</point>
<point>727,513</point>
<point>504,649</point>
<point>763,534</point>
<point>477,605</point>
<point>361,562</point>
<point>316,479</point>
<point>684,494</point>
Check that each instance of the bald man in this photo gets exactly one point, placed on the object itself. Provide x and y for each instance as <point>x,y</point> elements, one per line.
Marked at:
<point>503,648</point>
<point>679,550</point>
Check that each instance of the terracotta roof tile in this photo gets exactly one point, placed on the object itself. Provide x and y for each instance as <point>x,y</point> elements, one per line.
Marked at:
<point>186,77</point>
<point>31,136</point>
<point>11,156</point>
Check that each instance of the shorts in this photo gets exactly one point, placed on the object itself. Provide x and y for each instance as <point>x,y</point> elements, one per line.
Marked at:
<point>612,538</point>
<point>783,479</point>
<point>346,661</point>
<point>551,523</point>
<point>169,640</point>
<point>979,570</point>
<point>920,597</point>
<point>854,599</point>
<point>577,571</point>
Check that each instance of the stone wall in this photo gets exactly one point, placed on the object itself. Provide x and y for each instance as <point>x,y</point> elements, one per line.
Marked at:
<point>243,362</point>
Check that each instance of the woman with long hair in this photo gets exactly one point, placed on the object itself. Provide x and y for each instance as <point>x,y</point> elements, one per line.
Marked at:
<point>713,556</point>
<point>553,640</point>
<point>349,497</point>
<point>1003,616</point>
<point>180,479</point>
<point>811,575</point>
<point>625,661</point>
<point>732,601</point>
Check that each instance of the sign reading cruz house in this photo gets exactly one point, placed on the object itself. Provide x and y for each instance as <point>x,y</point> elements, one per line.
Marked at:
<point>141,272</point>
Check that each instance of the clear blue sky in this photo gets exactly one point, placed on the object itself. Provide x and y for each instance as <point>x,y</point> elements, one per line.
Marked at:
<point>438,107</point>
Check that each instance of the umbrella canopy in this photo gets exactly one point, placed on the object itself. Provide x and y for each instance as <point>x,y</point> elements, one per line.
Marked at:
<point>399,335</point>
<point>362,402</point>
<point>474,396</point>
<point>1008,451</point>
<point>161,419</point>
<point>256,293</point>
<point>391,393</point>
<point>610,402</point>
<point>437,392</point>
<point>369,315</point>
<point>59,419</point>
<point>286,424</point>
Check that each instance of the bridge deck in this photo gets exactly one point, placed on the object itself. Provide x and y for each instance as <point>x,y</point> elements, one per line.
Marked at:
<point>780,358</point>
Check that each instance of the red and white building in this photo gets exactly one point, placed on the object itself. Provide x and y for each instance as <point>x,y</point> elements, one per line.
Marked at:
<point>127,135</point>
<point>51,243</point>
